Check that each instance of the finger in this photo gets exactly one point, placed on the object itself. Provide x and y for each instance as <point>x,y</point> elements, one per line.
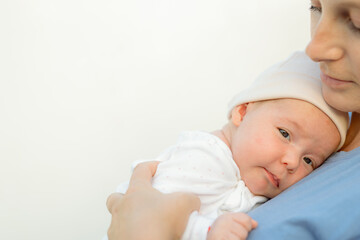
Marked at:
<point>240,235</point>
<point>142,175</point>
<point>244,225</point>
<point>151,165</point>
<point>254,223</point>
<point>230,236</point>
<point>239,231</point>
<point>112,199</point>
<point>245,220</point>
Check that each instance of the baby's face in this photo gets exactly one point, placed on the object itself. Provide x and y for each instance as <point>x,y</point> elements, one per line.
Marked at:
<point>280,142</point>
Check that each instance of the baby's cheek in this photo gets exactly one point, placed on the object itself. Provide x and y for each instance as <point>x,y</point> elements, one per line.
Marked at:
<point>258,185</point>
<point>263,143</point>
<point>302,172</point>
<point>259,140</point>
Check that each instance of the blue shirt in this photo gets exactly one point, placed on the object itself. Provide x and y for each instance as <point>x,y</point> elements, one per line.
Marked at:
<point>324,205</point>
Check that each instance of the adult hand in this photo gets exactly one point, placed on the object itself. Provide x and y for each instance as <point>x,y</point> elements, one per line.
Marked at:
<point>145,213</point>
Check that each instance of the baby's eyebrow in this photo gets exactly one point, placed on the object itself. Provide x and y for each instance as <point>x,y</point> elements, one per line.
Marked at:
<point>297,125</point>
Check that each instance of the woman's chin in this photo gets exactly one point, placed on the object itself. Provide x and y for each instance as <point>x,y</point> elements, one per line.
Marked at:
<point>338,100</point>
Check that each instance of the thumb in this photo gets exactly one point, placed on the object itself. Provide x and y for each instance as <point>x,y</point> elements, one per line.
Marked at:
<point>112,199</point>
<point>254,223</point>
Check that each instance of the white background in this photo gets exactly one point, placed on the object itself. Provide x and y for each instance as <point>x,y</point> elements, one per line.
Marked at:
<point>88,86</point>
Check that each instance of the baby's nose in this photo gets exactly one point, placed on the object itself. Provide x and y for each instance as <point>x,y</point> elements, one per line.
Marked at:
<point>291,160</point>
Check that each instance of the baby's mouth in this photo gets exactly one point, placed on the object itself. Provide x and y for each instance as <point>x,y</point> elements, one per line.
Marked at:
<point>273,179</point>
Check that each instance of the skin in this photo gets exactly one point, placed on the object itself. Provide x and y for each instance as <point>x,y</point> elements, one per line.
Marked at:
<point>231,226</point>
<point>130,211</point>
<point>291,134</point>
<point>335,44</point>
<point>276,143</point>
<point>335,30</point>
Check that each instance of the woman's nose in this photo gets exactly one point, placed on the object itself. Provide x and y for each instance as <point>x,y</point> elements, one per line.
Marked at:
<point>326,42</point>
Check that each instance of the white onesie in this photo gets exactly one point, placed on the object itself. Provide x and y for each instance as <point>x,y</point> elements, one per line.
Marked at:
<point>202,163</point>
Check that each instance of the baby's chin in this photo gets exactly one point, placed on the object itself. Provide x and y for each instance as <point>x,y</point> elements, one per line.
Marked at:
<point>267,195</point>
<point>265,192</point>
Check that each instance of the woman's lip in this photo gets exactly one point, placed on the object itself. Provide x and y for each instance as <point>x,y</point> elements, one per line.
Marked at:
<point>333,82</point>
<point>273,179</point>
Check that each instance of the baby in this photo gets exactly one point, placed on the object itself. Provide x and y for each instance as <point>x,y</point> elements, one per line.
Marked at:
<point>279,130</point>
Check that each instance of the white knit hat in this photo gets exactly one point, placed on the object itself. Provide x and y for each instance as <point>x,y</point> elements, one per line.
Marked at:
<point>297,77</point>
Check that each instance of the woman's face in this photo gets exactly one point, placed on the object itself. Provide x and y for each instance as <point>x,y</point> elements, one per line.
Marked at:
<point>335,32</point>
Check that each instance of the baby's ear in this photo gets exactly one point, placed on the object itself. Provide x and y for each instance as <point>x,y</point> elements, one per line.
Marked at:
<point>238,113</point>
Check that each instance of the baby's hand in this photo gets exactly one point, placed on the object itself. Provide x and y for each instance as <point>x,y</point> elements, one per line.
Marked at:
<point>231,226</point>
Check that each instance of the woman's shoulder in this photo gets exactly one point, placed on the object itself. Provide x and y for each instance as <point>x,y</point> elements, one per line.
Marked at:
<point>324,204</point>
<point>339,157</point>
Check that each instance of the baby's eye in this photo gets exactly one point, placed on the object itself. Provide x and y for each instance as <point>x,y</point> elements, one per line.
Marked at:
<point>284,133</point>
<point>308,161</point>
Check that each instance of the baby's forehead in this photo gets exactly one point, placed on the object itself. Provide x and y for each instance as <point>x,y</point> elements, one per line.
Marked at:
<point>304,115</point>
<point>299,111</point>
<point>310,126</point>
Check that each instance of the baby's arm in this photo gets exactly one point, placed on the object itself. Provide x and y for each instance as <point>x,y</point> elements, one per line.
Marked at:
<point>231,226</point>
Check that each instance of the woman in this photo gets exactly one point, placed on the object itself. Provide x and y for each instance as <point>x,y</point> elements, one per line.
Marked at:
<point>324,205</point>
